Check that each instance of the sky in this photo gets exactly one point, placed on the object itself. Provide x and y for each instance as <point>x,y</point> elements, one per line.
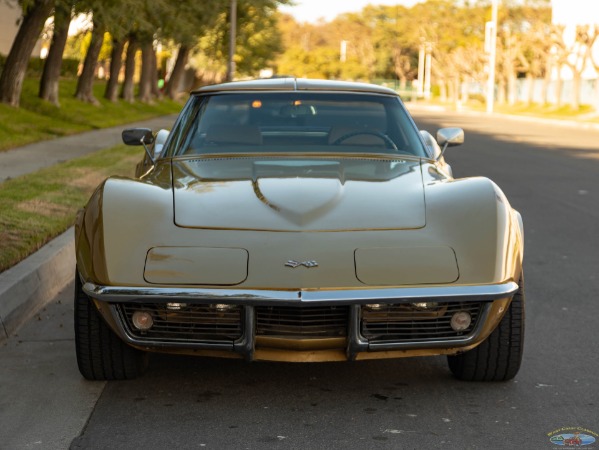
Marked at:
<point>312,10</point>
<point>575,11</point>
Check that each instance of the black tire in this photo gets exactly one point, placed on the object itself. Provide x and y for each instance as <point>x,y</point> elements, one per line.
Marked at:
<point>101,354</point>
<point>498,358</point>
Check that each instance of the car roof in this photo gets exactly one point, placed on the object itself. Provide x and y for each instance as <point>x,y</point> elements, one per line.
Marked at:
<point>295,84</point>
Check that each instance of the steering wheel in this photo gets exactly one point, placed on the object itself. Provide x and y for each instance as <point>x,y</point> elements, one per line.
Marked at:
<point>378,134</point>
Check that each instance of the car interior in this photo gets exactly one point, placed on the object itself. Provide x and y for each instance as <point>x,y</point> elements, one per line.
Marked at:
<point>283,122</point>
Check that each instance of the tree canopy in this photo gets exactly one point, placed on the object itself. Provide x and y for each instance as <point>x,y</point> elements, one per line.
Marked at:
<point>162,39</point>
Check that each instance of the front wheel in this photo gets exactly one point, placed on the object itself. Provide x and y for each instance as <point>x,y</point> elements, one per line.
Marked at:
<point>101,355</point>
<point>497,358</point>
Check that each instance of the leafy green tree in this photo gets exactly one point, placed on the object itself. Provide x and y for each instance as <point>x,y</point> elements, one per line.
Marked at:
<point>104,13</point>
<point>257,30</point>
<point>259,35</point>
<point>121,34</point>
<point>119,20</point>
<point>360,46</point>
<point>187,23</point>
<point>152,16</point>
<point>455,35</point>
<point>522,45</point>
<point>385,41</point>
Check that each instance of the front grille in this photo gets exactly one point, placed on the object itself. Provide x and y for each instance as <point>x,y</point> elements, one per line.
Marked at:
<point>216,324</point>
<point>189,323</point>
<point>303,322</point>
<point>405,323</point>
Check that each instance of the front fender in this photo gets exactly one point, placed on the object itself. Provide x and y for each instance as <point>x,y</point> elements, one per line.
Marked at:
<point>110,231</point>
<point>89,238</point>
<point>474,217</point>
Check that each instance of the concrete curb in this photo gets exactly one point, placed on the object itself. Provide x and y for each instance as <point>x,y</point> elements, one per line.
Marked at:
<point>28,286</point>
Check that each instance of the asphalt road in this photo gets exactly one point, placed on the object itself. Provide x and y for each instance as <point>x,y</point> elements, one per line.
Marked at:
<point>549,173</point>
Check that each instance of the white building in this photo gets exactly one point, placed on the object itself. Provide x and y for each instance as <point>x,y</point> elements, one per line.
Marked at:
<point>10,13</point>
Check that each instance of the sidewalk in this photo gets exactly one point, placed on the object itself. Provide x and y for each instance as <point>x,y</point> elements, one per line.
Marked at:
<point>29,285</point>
<point>32,157</point>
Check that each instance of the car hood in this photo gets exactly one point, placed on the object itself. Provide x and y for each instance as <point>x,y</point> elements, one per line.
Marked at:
<point>298,194</point>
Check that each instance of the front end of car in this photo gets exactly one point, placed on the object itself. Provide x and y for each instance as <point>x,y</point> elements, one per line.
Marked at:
<point>382,287</point>
<point>298,221</point>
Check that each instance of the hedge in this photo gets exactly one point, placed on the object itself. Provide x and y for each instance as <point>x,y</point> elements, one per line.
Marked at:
<point>69,69</point>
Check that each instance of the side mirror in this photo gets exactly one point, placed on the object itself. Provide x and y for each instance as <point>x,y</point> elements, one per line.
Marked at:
<point>449,137</point>
<point>159,141</point>
<point>137,136</point>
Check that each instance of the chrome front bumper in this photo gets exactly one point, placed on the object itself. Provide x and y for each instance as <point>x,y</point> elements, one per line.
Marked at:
<point>303,296</point>
<point>110,296</point>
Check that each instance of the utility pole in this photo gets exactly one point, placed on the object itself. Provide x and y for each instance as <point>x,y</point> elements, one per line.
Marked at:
<point>232,38</point>
<point>343,51</point>
<point>428,63</point>
<point>491,48</point>
<point>420,92</point>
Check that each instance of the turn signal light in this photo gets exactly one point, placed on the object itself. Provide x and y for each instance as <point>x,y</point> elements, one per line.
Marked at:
<point>460,321</point>
<point>142,320</point>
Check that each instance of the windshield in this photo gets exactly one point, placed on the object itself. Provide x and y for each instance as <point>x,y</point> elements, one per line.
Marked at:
<point>267,122</point>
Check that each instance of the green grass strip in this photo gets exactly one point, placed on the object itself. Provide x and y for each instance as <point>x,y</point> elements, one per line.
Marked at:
<point>37,207</point>
<point>36,120</point>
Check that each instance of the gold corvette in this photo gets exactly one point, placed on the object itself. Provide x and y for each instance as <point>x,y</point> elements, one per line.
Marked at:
<point>298,220</point>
